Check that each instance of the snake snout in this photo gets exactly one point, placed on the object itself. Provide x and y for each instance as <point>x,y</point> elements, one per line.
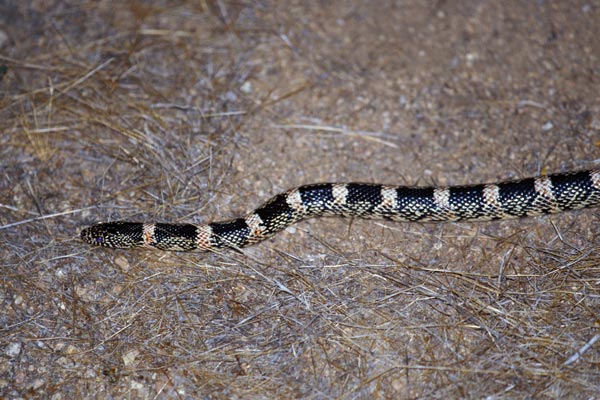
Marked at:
<point>114,234</point>
<point>92,236</point>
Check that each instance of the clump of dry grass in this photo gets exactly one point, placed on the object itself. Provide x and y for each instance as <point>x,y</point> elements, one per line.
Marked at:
<point>189,112</point>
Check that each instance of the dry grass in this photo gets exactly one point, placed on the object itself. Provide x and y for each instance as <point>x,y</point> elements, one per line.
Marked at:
<point>191,112</point>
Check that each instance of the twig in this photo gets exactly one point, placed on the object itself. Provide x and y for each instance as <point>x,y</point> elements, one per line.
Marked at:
<point>42,217</point>
<point>582,350</point>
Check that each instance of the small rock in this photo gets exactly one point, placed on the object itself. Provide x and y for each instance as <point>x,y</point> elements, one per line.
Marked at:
<point>38,383</point>
<point>122,263</point>
<point>129,358</point>
<point>246,87</point>
<point>13,349</point>
<point>3,39</point>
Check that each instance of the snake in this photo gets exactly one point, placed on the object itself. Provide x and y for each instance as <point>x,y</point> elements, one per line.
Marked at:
<point>546,194</point>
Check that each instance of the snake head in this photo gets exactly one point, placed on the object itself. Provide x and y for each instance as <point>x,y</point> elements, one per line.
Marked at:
<point>114,234</point>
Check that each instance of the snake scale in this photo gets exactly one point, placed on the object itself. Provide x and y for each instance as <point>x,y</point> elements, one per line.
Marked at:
<point>484,202</point>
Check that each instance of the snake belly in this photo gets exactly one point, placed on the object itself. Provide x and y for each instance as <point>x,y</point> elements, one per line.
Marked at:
<point>484,202</point>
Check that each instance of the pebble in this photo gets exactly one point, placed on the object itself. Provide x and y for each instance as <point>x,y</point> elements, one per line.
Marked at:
<point>547,126</point>
<point>13,349</point>
<point>3,39</point>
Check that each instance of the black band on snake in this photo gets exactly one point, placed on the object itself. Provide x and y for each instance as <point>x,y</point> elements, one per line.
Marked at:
<point>511,199</point>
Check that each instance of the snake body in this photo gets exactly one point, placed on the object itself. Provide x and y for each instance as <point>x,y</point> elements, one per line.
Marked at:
<point>484,202</point>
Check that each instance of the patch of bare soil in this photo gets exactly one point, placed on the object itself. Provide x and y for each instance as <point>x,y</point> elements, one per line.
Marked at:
<point>199,111</point>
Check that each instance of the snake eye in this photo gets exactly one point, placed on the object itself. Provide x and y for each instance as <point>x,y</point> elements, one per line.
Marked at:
<point>99,240</point>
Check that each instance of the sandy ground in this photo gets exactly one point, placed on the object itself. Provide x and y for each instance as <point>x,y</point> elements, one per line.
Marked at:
<point>199,111</point>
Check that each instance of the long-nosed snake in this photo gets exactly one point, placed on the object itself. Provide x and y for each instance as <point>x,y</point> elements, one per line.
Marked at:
<point>511,199</point>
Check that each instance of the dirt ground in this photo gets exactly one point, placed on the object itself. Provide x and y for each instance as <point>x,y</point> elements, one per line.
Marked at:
<point>200,111</point>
